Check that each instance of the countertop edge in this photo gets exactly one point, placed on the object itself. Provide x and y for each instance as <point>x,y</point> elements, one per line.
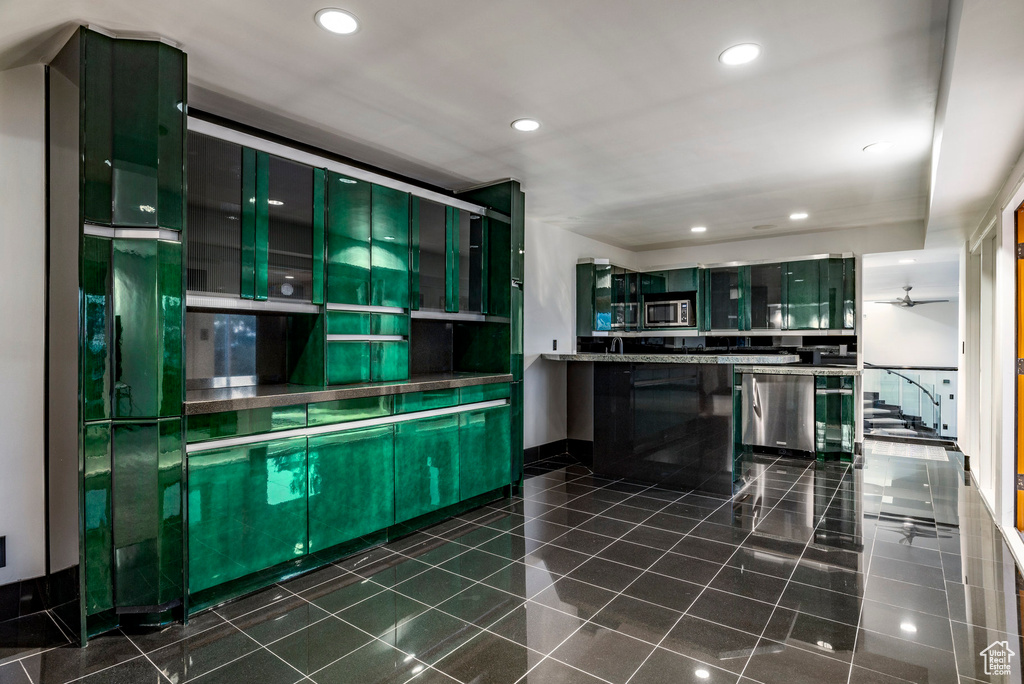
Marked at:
<point>733,359</point>
<point>798,370</point>
<point>197,407</point>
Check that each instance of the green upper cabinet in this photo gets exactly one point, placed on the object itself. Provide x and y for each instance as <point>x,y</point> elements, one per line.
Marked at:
<point>133,132</point>
<point>803,295</point>
<point>722,295</point>
<point>426,466</point>
<point>351,485</point>
<point>820,294</point>
<point>348,240</point>
<point>430,275</point>
<point>389,247</point>
<point>765,297</point>
<point>484,451</point>
<point>215,216</point>
<point>593,298</point>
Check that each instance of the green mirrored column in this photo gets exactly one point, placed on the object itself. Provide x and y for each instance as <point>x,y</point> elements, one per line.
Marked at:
<point>351,485</point>
<point>426,466</point>
<point>147,513</point>
<point>99,543</point>
<point>170,305</point>
<point>348,240</point>
<point>484,451</point>
<point>96,327</point>
<point>97,126</point>
<point>247,510</point>
<point>389,247</point>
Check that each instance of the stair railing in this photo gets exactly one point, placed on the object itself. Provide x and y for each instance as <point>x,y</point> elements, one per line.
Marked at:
<point>931,397</point>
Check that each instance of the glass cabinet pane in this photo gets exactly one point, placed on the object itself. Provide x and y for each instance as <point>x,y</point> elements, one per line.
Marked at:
<point>214,215</point>
<point>724,298</point>
<point>766,297</point>
<point>471,256</point>
<point>432,255</point>
<point>625,299</point>
<point>290,231</point>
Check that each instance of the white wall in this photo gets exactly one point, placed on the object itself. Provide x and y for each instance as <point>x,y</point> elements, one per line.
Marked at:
<point>22,328</point>
<point>549,309</point>
<point>925,335</point>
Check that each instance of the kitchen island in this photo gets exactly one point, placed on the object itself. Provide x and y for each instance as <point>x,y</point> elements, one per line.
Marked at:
<point>665,419</point>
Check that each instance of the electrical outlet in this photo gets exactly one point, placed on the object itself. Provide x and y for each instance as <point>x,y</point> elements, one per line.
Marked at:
<point>3,551</point>
<point>554,345</point>
<point>951,397</point>
<point>945,427</point>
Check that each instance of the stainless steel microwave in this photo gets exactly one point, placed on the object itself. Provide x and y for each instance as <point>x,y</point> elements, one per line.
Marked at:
<point>673,314</point>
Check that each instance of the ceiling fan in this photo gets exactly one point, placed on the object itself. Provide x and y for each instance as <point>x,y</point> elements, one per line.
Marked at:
<point>908,302</point>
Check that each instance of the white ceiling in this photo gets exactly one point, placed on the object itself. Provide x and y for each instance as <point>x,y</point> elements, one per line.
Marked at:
<point>934,274</point>
<point>645,133</point>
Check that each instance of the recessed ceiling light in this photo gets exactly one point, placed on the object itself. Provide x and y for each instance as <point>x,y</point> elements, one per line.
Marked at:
<point>880,146</point>
<point>526,125</point>
<point>699,229</point>
<point>798,216</point>
<point>337,21</point>
<point>275,203</point>
<point>908,261</point>
<point>740,54</point>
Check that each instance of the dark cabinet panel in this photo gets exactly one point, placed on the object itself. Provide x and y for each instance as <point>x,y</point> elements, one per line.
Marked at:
<point>95,345</point>
<point>803,295</point>
<point>766,297</point>
<point>201,428</point>
<point>289,230</point>
<point>426,466</point>
<point>351,485</point>
<point>723,294</point>
<point>432,254</point>
<point>472,249</point>
<point>348,240</point>
<point>389,248</point>
<point>484,451</point>
<point>147,507</point>
<point>214,215</point>
<point>247,510</point>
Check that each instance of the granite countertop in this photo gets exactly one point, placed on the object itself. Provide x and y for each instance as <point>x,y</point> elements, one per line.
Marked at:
<point>799,370</point>
<point>677,358</point>
<point>203,401</point>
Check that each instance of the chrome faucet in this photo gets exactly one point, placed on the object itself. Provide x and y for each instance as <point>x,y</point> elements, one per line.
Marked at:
<point>616,340</point>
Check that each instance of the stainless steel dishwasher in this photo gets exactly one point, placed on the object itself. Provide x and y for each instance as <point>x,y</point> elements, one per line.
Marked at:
<point>778,411</point>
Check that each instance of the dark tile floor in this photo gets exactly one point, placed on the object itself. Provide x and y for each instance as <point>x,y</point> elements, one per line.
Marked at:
<point>888,573</point>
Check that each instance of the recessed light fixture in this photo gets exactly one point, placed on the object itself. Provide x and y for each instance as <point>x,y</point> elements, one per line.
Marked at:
<point>526,125</point>
<point>337,21</point>
<point>699,229</point>
<point>880,146</point>
<point>798,216</point>
<point>908,261</point>
<point>275,203</point>
<point>908,627</point>
<point>743,53</point>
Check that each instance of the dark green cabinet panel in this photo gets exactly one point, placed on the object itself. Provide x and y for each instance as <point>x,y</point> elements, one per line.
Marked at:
<point>147,520</point>
<point>451,259</point>
<point>247,510</point>
<point>426,466</point>
<point>389,247</point>
<point>209,426</point>
<point>426,401</point>
<point>348,240</point>
<point>248,284</point>
<point>261,235</point>
<point>803,295</point>
<point>849,293</point>
<point>470,395</point>
<point>348,323</point>
<point>722,293</point>
<point>389,324</point>
<point>389,361</point>
<point>499,265</point>
<point>96,326</point>
<point>414,253</point>
<point>319,181</point>
<point>351,485</point>
<point>484,451</point>
<point>134,132</point>
<point>345,410</point>
<point>764,300</point>
<point>348,362</point>
<point>835,426</point>
<point>99,542</point>
<point>147,308</point>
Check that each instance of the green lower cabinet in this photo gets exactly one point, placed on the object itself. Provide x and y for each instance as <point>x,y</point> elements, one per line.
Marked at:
<point>389,361</point>
<point>426,466</point>
<point>484,451</point>
<point>201,428</point>
<point>345,410</point>
<point>351,485</point>
<point>348,362</point>
<point>426,401</point>
<point>475,393</point>
<point>147,517</point>
<point>99,541</point>
<point>247,510</point>
<point>834,423</point>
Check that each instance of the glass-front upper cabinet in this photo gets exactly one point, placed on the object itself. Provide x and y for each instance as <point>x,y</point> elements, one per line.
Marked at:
<point>765,297</point>
<point>471,262</point>
<point>625,299</point>
<point>289,230</point>
<point>214,215</point>
<point>723,294</point>
<point>430,218</point>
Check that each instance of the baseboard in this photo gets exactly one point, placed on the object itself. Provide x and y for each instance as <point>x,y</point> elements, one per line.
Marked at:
<point>582,450</point>
<point>539,453</point>
<point>22,598</point>
<point>944,443</point>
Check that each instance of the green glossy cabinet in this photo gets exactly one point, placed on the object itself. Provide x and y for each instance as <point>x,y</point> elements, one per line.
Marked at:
<point>247,510</point>
<point>389,248</point>
<point>348,240</point>
<point>96,328</point>
<point>351,485</point>
<point>204,427</point>
<point>593,298</point>
<point>819,294</point>
<point>426,466</point>
<point>348,362</point>
<point>99,534</point>
<point>834,420</point>
<point>389,361</point>
<point>484,449</point>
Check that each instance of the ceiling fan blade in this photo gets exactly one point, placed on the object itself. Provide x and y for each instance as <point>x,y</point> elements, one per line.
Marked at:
<point>929,301</point>
<point>894,302</point>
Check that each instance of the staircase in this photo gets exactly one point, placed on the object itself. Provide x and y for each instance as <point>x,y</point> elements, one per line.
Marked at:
<point>887,419</point>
